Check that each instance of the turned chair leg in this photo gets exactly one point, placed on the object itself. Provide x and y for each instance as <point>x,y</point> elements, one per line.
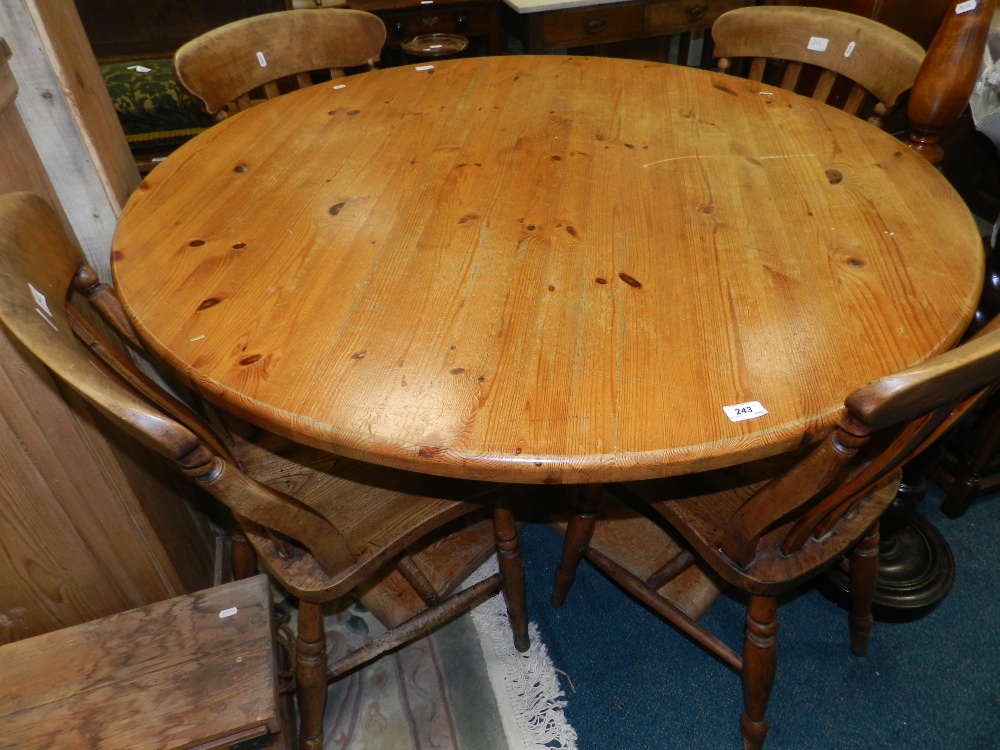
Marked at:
<point>241,555</point>
<point>310,675</point>
<point>579,531</point>
<point>511,572</point>
<point>983,445</point>
<point>758,669</point>
<point>863,573</point>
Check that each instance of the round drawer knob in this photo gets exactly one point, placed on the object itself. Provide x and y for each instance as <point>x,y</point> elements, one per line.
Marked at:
<point>694,12</point>
<point>593,27</point>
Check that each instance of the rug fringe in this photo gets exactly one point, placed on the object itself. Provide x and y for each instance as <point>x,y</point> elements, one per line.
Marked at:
<point>529,696</point>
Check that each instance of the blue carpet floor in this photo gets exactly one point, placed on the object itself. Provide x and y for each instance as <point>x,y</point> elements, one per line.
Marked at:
<point>633,682</point>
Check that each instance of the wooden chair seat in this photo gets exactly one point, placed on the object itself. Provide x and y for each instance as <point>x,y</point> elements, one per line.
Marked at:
<point>700,513</point>
<point>652,551</point>
<point>376,508</point>
<point>393,600</point>
<point>196,671</point>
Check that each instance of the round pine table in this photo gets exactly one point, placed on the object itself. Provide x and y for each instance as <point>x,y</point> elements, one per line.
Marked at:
<point>544,269</point>
<point>552,269</point>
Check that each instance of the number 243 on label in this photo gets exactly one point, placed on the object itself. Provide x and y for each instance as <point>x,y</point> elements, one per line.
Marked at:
<point>748,410</point>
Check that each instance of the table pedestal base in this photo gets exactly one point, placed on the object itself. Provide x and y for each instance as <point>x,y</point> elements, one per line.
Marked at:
<point>916,571</point>
<point>916,567</point>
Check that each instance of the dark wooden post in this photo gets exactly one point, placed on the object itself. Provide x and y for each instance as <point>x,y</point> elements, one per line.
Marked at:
<point>948,75</point>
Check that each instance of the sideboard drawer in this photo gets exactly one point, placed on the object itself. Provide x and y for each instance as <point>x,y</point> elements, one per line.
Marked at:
<point>479,20</point>
<point>674,16</point>
<point>474,21</point>
<point>592,25</point>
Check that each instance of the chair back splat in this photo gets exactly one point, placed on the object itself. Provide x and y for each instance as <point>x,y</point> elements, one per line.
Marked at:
<point>321,525</point>
<point>834,57</point>
<point>274,53</point>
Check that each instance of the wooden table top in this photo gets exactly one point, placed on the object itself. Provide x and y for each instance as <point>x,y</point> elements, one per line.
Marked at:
<point>544,269</point>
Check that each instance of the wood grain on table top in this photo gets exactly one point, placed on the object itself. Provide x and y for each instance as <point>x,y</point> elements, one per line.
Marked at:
<point>544,269</point>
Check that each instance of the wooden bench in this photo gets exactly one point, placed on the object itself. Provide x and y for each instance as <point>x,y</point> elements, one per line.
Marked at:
<point>196,671</point>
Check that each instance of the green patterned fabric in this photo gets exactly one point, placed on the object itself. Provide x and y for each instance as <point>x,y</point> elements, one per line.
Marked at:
<point>152,105</point>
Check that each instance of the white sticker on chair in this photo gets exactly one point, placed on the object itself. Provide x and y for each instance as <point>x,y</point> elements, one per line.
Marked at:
<point>47,319</point>
<point>340,86</point>
<point>817,43</point>
<point>40,300</point>
<point>748,410</point>
<point>850,49</point>
<point>228,612</point>
<point>261,59</point>
<point>424,67</point>
<point>965,7</point>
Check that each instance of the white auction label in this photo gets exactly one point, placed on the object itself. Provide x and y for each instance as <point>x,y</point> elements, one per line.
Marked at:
<point>749,410</point>
<point>39,299</point>
<point>228,612</point>
<point>850,49</point>
<point>817,43</point>
<point>965,7</point>
<point>261,59</point>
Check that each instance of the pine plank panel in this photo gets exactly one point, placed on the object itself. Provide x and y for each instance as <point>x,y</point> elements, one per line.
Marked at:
<point>57,134</point>
<point>169,675</point>
<point>86,530</point>
<point>67,48</point>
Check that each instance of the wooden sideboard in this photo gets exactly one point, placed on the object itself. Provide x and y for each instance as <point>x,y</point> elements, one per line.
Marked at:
<point>478,20</point>
<point>647,28</point>
<point>639,28</point>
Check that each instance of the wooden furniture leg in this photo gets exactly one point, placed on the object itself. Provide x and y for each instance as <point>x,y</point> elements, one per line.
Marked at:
<point>864,578</point>
<point>579,531</point>
<point>916,568</point>
<point>310,675</point>
<point>511,572</point>
<point>983,446</point>
<point>241,554</point>
<point>758,668</point>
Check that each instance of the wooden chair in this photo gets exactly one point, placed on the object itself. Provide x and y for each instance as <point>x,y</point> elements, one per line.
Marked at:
<point>195,671</point>
<point>769,526</point>
<point>793,46</point>
<point>275,52</point>
<point>323,526</point>
<point>971,467</point>
<point>971,464</point>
